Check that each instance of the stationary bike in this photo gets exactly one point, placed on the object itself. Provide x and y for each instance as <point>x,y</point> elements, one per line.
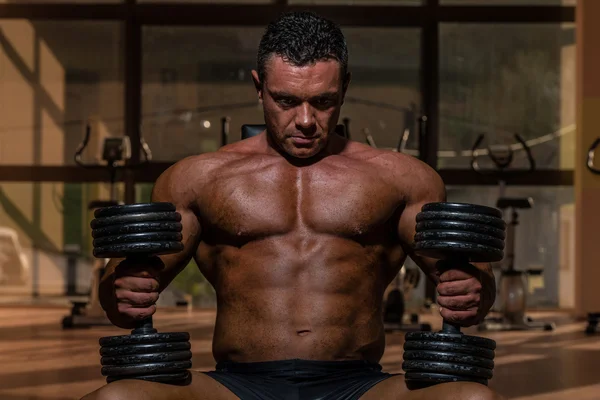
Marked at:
<point>394,311</point>
<point>115,152</point>
<point>513,284</point>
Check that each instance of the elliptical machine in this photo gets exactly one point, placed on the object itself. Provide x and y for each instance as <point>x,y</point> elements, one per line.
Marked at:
<point>115,153</point>
<point>513,284</point>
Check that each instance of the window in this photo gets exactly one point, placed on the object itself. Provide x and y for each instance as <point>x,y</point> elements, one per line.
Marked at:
<point>55,77</point>
<point>384,97</point>
<point>195,77</point>
<point>502,80</point>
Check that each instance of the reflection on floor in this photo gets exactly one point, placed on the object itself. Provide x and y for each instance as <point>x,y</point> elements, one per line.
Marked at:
<point>38,360</point>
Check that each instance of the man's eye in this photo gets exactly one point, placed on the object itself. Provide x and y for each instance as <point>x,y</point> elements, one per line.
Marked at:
<point>286,102</point>
<point>324,102</point>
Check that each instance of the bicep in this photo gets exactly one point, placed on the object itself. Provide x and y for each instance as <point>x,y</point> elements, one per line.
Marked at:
<point>430,190</point>
<point>170,189</point>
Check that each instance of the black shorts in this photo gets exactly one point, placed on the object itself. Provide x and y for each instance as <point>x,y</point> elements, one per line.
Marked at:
<point>299,379</point>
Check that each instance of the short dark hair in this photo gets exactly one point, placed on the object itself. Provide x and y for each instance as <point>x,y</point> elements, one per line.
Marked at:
<point>302,38</point>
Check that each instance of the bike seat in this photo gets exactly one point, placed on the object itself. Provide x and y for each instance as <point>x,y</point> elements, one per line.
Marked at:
<point>514,202</point>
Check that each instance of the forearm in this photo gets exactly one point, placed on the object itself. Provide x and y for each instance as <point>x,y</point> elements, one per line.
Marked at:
<point>165,268</point>
<point>434,268</point>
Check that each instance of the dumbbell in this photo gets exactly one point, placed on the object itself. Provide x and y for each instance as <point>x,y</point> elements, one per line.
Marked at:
<point>456,234</point>
<point>137,232</point>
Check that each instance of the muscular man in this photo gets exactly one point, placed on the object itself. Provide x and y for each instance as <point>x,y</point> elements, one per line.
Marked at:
<point>299,231</point>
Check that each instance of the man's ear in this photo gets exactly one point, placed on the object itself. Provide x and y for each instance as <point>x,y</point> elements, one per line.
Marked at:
<point>257,85</point>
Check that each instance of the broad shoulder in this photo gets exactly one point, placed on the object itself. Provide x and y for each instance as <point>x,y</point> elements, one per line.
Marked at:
<point>414,179</point>
<point>183,182</point>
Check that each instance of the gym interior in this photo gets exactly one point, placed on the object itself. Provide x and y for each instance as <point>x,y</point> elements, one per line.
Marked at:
<point>501,97</point>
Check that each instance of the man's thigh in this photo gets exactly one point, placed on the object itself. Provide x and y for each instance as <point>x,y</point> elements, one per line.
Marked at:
<point>201,387</point>
<point>394,388</point>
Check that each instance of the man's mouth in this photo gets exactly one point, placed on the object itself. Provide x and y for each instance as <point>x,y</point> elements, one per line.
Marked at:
<point>304,139</point>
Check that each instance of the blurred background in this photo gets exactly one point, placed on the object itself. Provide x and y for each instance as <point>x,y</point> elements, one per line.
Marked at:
<point>174,78</point>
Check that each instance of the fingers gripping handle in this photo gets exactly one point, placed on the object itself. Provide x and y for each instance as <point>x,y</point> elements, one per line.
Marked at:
<point>146,325</point>
<point>443,266</point>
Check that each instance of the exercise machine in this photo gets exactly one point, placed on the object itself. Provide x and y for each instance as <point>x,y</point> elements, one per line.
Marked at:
<point>14,266</point>
<point>395,317</point>
<point>593,319</point>
<point>116,151</point>
<point>513,283</point>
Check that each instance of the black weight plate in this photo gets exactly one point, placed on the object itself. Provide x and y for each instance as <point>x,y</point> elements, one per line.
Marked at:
<point>139,227</point>
<point>132,218</point>
<point>145,348</point>
<point>464,208</point>
<point>155,338</point>
<point>147,358</point>
<point>445,225</point>
<point>449,357</point>
<point>133,209</point>
<point>449,347</point>
<point>432,378</point>
<point>457,216</point>
<point>441,236</point>
<point>147,368</point>
<point>451,338</point>
<point>162,378</point>
<point>447,368</point>
<point>133,249</point>
<point>456,250</point>
<point>139,237</point>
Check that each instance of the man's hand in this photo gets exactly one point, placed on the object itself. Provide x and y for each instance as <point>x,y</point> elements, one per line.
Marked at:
<point>131,294</point>
<point>466,293</point>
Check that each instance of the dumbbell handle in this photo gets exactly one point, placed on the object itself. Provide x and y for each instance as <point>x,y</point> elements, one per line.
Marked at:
<point>146,325</point>
<point>448,327</point>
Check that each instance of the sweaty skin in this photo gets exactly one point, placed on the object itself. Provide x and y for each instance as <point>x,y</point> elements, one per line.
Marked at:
<point>299,231</point>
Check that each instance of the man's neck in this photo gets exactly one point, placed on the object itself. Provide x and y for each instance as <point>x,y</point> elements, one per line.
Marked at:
<point>335,145</point>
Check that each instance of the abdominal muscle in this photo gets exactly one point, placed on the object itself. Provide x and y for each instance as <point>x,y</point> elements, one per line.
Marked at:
<point>276,303</point>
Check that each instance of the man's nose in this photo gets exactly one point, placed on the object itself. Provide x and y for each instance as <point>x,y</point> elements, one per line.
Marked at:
<point>305,117</point>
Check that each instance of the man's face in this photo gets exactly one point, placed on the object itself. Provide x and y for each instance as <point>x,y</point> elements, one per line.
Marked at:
<point>301,104</point>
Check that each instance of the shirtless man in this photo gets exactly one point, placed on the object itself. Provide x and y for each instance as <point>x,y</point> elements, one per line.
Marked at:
<point>300,231</point>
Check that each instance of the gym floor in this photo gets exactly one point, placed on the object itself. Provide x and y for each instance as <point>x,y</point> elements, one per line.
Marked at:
<point>41,361</point>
